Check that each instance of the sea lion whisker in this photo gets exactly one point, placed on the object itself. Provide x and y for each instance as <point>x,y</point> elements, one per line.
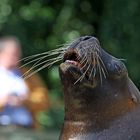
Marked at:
<point>60,56</point>
<point>67,44</point>
<point>34,63</point>
<point>96,49</point>
<point>103,72</point>
<point>59,50</point>
<point>92,56</point>
<point>94,61</point>
<point>38,59</point>
<point>83,75</point>
<point>49,61</point>
<point>70,42</point>
<point>100,73</point>
<point>94,65</point>
<point>47,54</point>
<point>78,78</point>
<point>84,64</point>
<point>104,67</point>
<point>91,72</point>
<point>98,45</point>
<point>83,59</point>
<point>124,60</point>
<point>99,68</point>
<point>26,76</point>
<point>64,45</point>
<point>85,72</point>
<point>34,66</point>
<point>94,72</point>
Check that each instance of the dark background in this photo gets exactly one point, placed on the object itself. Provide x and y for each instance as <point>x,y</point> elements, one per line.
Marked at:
<point>41,25</point>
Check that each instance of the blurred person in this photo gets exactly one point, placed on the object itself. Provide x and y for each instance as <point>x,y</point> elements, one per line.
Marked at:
<point>13,89</point>
<point>37,101</point>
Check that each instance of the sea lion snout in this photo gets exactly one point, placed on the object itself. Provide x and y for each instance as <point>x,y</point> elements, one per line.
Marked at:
<point>91,61</point>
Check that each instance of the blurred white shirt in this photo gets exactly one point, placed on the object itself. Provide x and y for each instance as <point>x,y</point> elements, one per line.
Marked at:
<point>12,83</point>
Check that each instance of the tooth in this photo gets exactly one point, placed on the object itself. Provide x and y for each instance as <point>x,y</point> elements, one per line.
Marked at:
<point>73,62</point>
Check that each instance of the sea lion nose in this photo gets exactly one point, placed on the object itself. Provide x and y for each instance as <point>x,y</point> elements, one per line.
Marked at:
<point>85,38</point>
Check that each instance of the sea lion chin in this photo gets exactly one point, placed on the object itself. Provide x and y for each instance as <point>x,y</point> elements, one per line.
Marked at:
<point>98,93</point>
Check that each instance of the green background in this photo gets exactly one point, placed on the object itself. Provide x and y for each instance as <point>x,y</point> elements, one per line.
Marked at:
<point>42,25</point>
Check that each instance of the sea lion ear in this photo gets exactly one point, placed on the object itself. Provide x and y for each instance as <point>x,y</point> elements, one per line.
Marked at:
<point>135,93</point>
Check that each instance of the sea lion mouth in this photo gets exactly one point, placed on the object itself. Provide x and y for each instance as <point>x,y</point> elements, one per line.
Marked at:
<point>72,58</point>
<point>72,66</point>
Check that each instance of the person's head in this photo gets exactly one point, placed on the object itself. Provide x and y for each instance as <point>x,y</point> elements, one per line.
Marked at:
<point>10,51</point>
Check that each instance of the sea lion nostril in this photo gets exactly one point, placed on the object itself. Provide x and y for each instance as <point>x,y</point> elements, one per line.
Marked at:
<point>86,38</point>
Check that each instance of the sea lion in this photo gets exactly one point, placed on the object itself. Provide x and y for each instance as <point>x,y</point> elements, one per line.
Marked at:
<point>101,101</point>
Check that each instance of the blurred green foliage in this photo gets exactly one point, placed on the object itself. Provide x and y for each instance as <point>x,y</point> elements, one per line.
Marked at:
<point>41,25</point>
<point>120,33</point>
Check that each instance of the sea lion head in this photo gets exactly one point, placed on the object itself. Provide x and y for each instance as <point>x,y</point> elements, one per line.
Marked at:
<point>86,63</point>
<point>95,80</point>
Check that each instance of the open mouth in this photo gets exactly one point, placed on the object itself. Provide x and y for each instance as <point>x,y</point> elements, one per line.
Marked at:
<point>76,62</point>
<point>72,58</point>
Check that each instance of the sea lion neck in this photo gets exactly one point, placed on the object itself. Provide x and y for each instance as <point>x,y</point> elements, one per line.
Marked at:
<point>99,105</point>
